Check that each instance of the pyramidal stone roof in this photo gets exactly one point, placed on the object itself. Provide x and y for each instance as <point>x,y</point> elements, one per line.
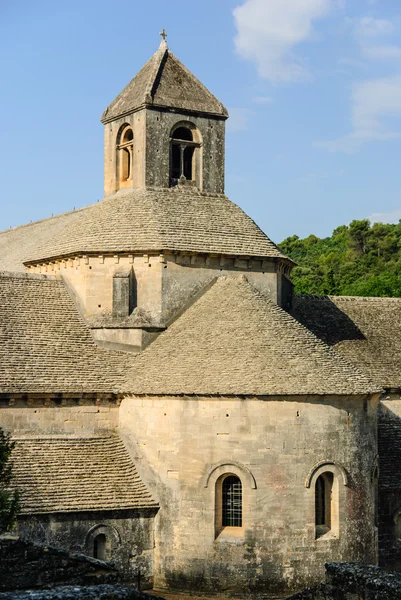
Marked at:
<point>366,331</point>
<point>234,340</point>
<point>164,82</point>
<point>76,474</point>
<point>140,220</point>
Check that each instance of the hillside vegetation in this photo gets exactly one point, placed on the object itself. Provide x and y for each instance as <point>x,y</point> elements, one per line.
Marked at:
<point>359,259</point>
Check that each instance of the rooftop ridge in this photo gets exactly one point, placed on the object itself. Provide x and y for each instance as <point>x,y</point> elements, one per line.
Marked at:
<point>158,56</point>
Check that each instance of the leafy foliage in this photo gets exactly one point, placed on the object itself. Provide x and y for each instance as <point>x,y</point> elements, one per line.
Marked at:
<point>9,500</point>
<point>359,259</point>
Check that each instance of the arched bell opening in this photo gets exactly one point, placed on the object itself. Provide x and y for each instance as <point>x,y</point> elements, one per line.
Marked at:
<point>125,154</point>
<point>185,155</point>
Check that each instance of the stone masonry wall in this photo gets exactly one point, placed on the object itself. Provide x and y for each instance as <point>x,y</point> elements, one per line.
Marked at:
<point>53,416</point>
<point>137,121</point>
<point>182,446</point>
<point>129,533</point>
<point>163,284</point>
<point>24,565</point>
<point>159,126</point>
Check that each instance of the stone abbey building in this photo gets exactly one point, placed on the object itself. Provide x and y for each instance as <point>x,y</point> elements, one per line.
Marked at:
<point>177,410</point>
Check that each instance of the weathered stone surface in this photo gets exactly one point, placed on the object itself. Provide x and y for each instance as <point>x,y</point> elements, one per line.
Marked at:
<point>24,565</point>
<point>276,442</point>
<point>353,582</point>
<point>96,592</point>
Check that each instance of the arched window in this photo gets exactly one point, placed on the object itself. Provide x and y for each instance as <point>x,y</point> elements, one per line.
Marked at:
<point>185,160</point>
<point>228,506</point>
<point>99,547</point>
<point>323,501</point>
<point>125,151</point>
<point>327,481</point>
<point>232,502</point>
<point>102,542</point>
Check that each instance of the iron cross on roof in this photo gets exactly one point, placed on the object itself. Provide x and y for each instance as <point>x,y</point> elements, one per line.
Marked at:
<point>163,34</point>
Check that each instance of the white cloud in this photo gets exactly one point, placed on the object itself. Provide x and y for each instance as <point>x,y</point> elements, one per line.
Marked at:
<point>381,52</point>
<point>367,31</point>
<point>262,100</point>
<point>374,103</point>
<point>269,30</point>
<point>238,120</point>
<point>390,217</point>
<point>369,27</point>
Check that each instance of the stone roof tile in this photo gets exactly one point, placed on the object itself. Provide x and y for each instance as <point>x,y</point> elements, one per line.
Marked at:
<point>165,82</point>
<point>45,345</point>
<point>77,474</point>
<point>366,331</point>
<point>141,220</point>
<point>234,340</point>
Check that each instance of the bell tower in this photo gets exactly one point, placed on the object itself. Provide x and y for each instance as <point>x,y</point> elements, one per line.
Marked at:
<point>165,129</point>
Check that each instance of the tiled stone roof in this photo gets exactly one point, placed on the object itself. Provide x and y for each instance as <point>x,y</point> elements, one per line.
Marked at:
<point>72,474</point>
<point>164,82</point>
<point>45,345</point>
<point>234,340</point>
<point>366,331</point>
<point>141,220</point>
<point>20,243</point>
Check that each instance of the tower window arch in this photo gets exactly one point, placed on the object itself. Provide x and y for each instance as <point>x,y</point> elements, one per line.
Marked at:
<point>125,153</point>
<point>185,155</point>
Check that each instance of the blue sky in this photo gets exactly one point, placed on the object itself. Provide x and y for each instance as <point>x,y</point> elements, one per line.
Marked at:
<point>313,88</point>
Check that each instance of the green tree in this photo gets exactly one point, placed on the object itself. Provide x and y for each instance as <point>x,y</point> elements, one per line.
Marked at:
<point>357,260</point>
<point>9,500</point>
<point>358,234</point>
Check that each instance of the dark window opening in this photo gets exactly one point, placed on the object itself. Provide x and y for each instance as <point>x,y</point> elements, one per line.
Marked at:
<point>175,162</point>
<point>323,493</point>
<point>232,502</point>
<point>99,547</point>
<point>183,133</point>
<point>184,155</point>
<point>188,158</point>
<point>128,136</point>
